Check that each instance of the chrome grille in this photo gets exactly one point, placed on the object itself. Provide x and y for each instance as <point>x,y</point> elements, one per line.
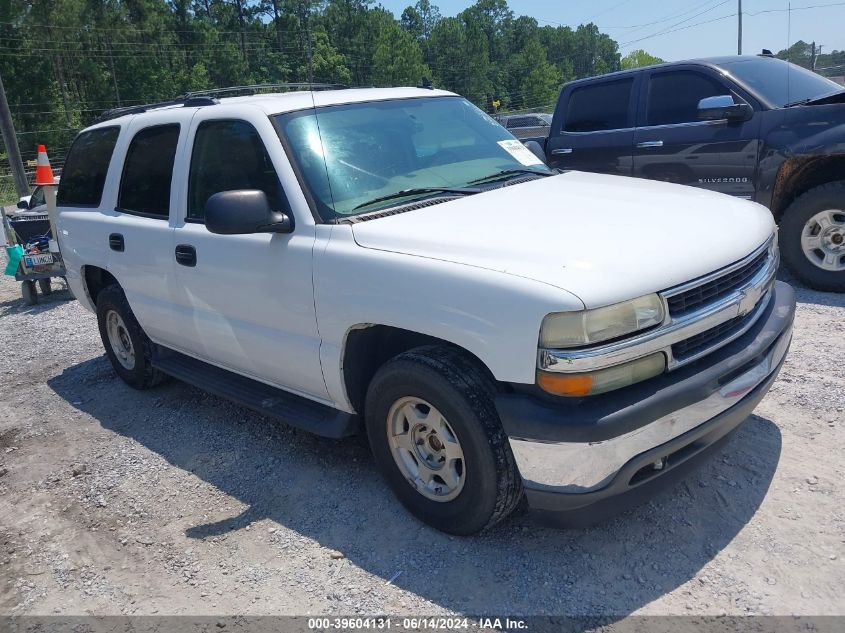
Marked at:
<point>698,342</point>
<point>713,290</point>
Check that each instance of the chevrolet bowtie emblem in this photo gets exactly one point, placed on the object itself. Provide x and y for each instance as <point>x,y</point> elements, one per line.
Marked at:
<point>748,299</point>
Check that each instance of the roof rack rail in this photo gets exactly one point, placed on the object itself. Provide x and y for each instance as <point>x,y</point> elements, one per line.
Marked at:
<point>206,97</point>
<point>253,88</point>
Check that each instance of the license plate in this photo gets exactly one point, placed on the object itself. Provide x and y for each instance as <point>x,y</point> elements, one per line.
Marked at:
<point>37,260</point>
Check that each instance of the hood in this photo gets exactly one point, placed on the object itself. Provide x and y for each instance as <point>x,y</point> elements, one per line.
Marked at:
<point>603,238</point>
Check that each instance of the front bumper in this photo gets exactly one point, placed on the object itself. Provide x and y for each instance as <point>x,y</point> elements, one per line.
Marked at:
<point>583,460</point>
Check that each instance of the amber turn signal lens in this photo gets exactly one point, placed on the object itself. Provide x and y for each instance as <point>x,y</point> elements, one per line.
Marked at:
<point>563,385</point>
<point>603,380</point>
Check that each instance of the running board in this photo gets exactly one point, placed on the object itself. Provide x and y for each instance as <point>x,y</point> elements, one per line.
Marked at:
<point>291,409</point>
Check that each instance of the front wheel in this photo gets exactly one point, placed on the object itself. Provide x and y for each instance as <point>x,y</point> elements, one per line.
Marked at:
<point>438,441</point>
<point>813,237</point>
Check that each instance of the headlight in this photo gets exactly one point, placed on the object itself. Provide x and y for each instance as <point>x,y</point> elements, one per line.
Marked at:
<point>574,329</point>
<point>602,380</point>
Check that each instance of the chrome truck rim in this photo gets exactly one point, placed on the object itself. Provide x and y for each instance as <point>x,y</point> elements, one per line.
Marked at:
<point>426,449</point>
<point>119,340</point>
<point>823,239</point>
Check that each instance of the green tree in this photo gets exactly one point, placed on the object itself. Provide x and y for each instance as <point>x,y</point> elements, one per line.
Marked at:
<point>397,60</point>
<point>460,60</point>
<point>800,53</point>
<point>541,80</point>
<point>328,64</point>
<point>638,59</point>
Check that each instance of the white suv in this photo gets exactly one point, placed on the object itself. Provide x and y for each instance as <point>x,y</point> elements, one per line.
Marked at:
<point>394,260</point>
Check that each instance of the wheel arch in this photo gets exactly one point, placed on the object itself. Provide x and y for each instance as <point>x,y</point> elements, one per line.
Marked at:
<point>368,346</point>
<point>95,279</point>
<point>800,174</point>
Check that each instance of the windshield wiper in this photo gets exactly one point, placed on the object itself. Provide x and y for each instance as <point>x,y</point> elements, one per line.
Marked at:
<point>419,190</point>
<point>509,172</point>
<point>809,99</point>
<point>798,103</point>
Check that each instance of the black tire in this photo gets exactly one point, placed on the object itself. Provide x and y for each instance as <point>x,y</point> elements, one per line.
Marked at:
<point>29,293</point>
<point>795,218</point>
<point>142,375</point>
<point>45,286</point>
<point>455,385</point>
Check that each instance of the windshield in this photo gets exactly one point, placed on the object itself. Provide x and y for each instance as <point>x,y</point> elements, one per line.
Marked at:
<point>780,82</point>
<point>352,155</point>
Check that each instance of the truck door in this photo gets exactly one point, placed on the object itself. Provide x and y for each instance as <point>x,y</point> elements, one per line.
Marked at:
<point>246,302</point>
<point>593,128</point>
<point>673,145</point>
<point>140,231</point>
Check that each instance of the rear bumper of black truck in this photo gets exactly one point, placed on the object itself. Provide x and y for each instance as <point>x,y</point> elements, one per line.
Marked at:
<point>582,461</point>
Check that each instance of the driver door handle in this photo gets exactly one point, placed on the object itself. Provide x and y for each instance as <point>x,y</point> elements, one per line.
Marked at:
<point>646,144</point>
<point>186,255</point>
<point>562,150</point>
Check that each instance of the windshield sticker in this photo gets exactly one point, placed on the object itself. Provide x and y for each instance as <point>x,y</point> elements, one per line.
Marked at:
<point>520,152</point>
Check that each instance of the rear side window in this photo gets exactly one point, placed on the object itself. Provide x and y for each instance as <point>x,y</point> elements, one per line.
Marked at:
<point>673,97</point>
<point>601,106</point>
<point>84,173</point>
<point>229,155</point>
<point>148,171</point>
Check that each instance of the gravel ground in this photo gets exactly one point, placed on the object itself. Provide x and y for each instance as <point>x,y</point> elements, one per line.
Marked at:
<point>173,501</point>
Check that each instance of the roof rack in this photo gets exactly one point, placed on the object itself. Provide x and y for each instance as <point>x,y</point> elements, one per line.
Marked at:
<point>200,98</point>
<point>254,88</point>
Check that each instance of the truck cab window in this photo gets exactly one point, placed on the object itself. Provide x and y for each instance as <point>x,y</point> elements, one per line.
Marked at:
<point>599,106</point>
<point>673,96</point>
<point>229,155</point>
<point>148,171</point>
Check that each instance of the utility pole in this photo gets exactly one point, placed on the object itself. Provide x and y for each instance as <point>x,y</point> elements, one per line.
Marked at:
<point>813,56</point>
<point>739,28</point>
<point>10,139</point>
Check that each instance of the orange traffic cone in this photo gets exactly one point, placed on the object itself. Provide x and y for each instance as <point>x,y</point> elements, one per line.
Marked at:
<point>43,171</point>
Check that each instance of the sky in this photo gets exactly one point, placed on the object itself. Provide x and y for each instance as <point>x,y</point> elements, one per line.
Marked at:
<point>700,28</point>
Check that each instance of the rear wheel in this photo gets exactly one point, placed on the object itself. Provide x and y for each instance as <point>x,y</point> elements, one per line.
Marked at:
<point>813,237</point>
<point>45,286</point>
<point>438,442</point>
<point>127,346</point>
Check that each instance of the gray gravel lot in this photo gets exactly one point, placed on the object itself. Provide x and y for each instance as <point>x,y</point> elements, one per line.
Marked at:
<point>173,501</point>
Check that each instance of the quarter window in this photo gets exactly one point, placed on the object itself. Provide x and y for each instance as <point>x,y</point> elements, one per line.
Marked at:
<point>229,155</point>
<point>84,173</point>
<point>148,172</point>
<point>600,106</point>
<point>673,96</point>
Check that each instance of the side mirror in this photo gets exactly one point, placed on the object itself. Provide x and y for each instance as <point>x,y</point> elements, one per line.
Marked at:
<point>723,107</point>
<point>243,212</point>
<point>535,148</point>
<point>23,204</point>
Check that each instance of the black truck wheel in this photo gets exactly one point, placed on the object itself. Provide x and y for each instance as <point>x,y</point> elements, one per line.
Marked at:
<point>127,346</point>
<point>813,237</point>
<point>438,441</point>
<point>45,286</point>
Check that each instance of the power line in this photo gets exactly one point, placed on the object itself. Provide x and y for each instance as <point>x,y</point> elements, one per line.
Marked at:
<point>672,29</point>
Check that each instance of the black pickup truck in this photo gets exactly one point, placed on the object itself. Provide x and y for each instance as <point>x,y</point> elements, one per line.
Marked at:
<point>749,126</point>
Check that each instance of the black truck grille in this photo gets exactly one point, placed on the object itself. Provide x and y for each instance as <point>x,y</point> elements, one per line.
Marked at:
<point>715,289</point>
<point>690,346</point>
